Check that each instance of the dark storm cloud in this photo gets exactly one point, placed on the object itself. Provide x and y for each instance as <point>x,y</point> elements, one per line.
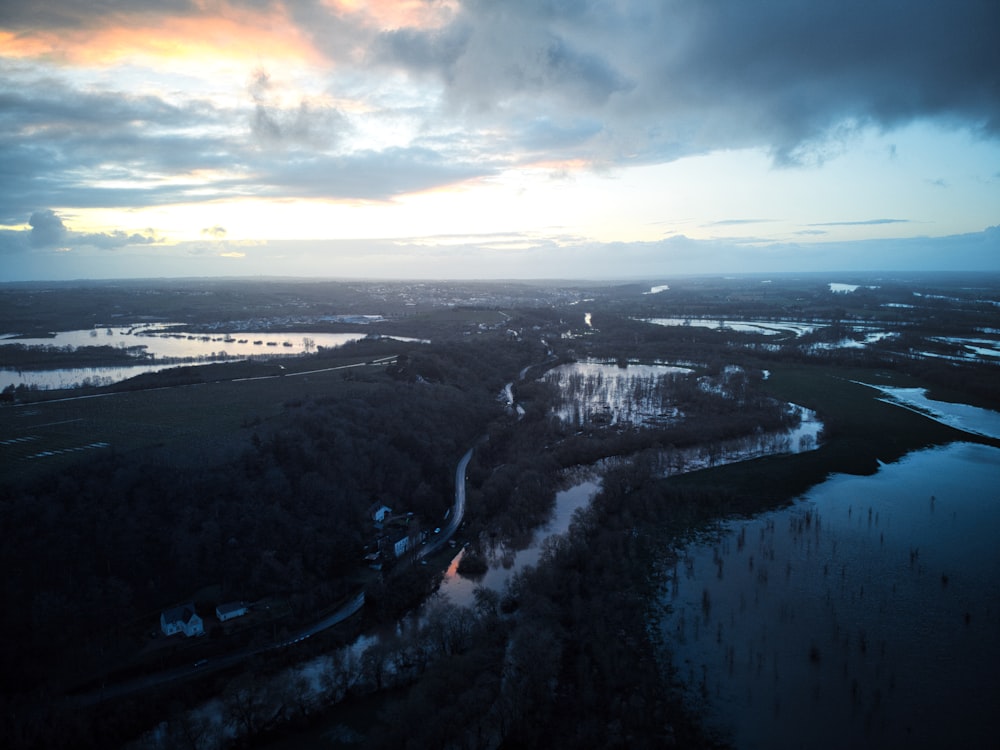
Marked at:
<point>435,51</point>
<point>796,69</point>
<point>686,76</point>
<point>487,64</point>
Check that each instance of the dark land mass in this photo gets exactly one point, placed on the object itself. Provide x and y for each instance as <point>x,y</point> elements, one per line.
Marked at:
<point>254,481</point>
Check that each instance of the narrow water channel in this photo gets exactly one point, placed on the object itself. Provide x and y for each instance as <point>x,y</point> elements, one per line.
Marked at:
<point>505,562</point>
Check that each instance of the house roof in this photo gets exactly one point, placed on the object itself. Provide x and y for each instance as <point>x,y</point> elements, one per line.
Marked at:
<point>225,609</point>
<point>180,613</point>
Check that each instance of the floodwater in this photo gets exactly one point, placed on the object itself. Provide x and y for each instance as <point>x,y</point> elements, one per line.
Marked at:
<point>765,327</point>
<point>636,394</point>
<point>505,561</point>
<point>866,615</point>
<point>971,419</point>
<point>160,341</point>
<point>74,377</point>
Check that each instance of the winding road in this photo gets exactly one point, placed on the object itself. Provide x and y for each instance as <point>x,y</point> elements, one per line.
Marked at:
<point>457,512</point>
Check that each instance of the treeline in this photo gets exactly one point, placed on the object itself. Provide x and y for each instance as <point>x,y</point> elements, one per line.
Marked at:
<point>20,357</point>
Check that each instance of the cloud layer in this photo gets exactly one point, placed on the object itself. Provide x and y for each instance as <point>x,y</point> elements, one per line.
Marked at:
<point>119,104</point>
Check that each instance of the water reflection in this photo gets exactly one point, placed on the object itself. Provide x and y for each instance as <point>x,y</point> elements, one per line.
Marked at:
<point>75,377</point>
<point>151,343</point>
<point>865,615</point>
<point>592,392</point>
<point>972,419</point>
<point>507,559</point>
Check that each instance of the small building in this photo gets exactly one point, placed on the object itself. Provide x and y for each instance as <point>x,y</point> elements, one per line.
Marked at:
<point>182,619</point>
<point>378,512</point>
<point>400,543</point>
<point>230,610</point>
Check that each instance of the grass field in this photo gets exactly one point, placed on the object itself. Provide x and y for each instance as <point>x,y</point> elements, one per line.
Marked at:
<point>201,421</point>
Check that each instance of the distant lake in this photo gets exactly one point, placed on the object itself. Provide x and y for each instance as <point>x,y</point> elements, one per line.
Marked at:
<point>162,341</point>
<point>866,615</point>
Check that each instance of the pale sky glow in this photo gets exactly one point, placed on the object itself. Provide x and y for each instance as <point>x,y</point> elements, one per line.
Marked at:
<point>526,138</point>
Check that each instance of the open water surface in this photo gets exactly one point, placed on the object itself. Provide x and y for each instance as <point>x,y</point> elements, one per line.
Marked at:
<point>155,342</point>
<point>504,563</point>
<point>866,615</point>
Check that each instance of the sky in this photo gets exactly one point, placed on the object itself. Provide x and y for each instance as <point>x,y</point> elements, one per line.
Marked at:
<point>597,139</point>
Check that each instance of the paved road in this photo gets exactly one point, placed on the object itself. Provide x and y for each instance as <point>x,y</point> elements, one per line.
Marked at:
<point>457,512</point>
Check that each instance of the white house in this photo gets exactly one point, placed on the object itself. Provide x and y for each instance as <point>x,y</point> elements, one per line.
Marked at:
<point>229,610</point>
<point>401,544</point>
<point>181,619</point>
<point>399,541</point>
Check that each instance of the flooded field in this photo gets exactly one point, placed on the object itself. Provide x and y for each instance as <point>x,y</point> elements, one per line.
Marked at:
<point>860,336</point>
<point>598,392</point>
<point>507,559</point>
<point>157,346</point>
<point>765,327</point>
<point>863,616</point>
